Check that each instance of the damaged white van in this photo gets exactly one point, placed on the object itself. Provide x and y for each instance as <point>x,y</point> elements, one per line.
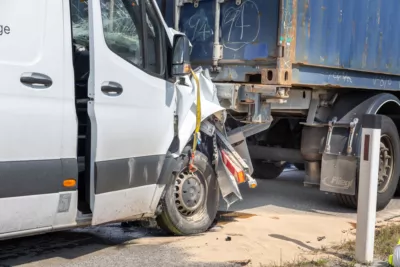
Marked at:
<point>103,120</point>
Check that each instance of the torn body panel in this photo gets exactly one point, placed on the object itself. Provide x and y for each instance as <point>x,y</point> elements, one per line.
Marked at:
<point>210,107</point>
<point>186,105</point>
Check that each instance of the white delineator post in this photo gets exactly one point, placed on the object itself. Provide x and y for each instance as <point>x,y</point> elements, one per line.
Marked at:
<point>368,187</point>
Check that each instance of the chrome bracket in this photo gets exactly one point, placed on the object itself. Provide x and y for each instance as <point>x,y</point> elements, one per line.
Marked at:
<point>353,125</point>
<point>331,125</point>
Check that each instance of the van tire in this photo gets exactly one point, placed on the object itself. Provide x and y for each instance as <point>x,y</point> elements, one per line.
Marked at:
<point>177,216</point>
<point>389,130</point>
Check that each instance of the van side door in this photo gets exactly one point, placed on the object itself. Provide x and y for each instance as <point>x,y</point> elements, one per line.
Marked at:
<point>131,109</point>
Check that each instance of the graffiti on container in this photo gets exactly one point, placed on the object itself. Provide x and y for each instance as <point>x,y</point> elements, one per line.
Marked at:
<point>287,28</point>
<point>382,81</point>
<point>340,76</point>
<point>197,28</point>
<point>287,63</point>
<point>240,25</point>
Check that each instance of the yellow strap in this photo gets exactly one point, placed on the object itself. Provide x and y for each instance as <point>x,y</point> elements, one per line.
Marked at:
<point>198,111</point>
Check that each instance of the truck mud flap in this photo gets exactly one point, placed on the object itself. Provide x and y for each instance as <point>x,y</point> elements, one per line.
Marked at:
<point>338,174</point>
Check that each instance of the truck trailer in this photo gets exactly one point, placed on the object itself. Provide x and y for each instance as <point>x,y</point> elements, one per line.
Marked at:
<point>297,77</point>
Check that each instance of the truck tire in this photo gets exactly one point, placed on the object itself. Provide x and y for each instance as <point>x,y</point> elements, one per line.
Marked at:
<point>389,168</point>
<point>266,170</point>
<point>191,200</point>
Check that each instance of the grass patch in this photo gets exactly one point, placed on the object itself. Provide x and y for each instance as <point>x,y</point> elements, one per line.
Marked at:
<point>386,238</point>
<point>322,262</point>
<point>302,263</point>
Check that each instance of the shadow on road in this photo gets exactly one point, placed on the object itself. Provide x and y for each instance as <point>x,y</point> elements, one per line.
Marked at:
<point>287,193</point>
<point>70,244</point>
<point>295,241</point>
<point>103,246</point>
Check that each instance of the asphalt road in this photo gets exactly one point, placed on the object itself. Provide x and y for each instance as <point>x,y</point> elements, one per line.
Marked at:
<point>112,245</point>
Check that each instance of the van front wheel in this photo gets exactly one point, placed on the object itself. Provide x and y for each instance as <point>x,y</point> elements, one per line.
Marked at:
<point>191,200</point>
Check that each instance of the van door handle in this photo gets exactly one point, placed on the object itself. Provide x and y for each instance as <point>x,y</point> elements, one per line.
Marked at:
<point>36,80</point>
<point>111,88</point>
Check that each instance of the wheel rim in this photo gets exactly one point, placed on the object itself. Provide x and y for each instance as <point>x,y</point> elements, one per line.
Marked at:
<point>190,192</point>
<point>386,159</point>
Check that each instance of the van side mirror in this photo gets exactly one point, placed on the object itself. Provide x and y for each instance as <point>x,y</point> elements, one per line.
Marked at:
<point>181,56</point>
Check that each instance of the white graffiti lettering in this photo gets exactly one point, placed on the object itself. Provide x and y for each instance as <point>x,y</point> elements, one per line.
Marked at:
<point>382,82</point>
<point>197,27</point>
<point>244,17</point>
<point>340,76</point>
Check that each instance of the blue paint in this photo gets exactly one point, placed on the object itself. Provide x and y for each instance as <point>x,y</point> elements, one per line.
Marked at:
<point>255,51</point>
<point>198,25</point>
<point>358,35</point>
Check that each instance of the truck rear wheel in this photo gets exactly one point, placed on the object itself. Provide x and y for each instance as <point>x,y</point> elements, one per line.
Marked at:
<point>267,170</point>
<point>192,199</point>
<point>389,170</point>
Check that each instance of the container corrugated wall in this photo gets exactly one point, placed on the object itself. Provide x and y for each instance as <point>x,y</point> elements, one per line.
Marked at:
<point>353,34</point>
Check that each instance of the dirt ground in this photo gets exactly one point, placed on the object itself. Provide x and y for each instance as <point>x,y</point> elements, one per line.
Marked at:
<point>268,238</point>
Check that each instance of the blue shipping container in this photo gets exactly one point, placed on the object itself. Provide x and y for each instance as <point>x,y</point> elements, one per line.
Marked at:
<point>329,43</point>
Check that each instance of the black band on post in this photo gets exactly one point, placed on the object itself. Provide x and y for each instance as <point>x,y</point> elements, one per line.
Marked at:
<point>372,121</point>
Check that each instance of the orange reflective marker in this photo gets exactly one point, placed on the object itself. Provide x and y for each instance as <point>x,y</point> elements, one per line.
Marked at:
<point>253,185</point>
<point>241,177</point>
<point>69,183</point>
